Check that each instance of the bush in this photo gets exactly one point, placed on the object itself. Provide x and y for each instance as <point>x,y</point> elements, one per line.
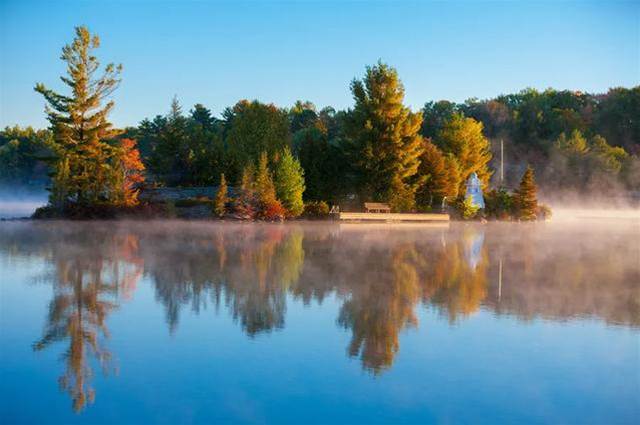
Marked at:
<point>316,209</point>
<point>271,211</point>
<point>465,208</point>
<point>543,212</point>
<point>499,204</point>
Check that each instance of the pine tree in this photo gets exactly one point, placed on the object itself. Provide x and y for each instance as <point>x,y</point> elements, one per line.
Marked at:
<point>265,188</point>
<point>269,207</point>
<point>171,159</point>
<point>244,204</point>
<point>220,203</point>
<point>289,183</point>
<point>247,181</point>
<point>526,200</point>
<point>384,139</point>
<point>79,123</point>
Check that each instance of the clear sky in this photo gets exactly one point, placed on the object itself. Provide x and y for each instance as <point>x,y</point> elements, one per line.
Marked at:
<point>216,53</point>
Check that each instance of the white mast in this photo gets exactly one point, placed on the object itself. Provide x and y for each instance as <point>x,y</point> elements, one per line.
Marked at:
<point>501,162</point>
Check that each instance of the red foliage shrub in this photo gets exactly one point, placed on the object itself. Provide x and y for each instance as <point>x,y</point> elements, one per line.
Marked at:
<point>271,211</point>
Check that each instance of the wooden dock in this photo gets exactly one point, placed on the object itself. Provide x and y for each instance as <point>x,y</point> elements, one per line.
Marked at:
<point>391,217</point>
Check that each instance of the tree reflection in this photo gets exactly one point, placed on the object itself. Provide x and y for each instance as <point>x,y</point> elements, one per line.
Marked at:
<point>250,268</point>
<point>380,277</point>
<point>90,273</point>
<point>456,275</point>
<point>380,305</point>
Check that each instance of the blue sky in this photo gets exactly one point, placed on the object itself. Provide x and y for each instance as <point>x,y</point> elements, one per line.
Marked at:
<point>216,53</point>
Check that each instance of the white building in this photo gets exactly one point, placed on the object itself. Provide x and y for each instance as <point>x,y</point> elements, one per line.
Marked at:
<point>474,190</point>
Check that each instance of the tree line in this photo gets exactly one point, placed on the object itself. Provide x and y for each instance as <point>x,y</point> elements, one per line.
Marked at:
<point>277,159</point>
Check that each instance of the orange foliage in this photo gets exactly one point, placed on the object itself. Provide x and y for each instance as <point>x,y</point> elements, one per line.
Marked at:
<point>133,168</point>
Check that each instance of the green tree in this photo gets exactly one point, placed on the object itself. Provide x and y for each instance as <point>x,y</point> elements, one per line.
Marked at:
<point>463,138</point>
<point>575,144</point>
<point>289,183</point>
<point>383,134</point>
<point>324,163</point>
<point>171,158</point>
<point>220,203</point>
<point>435,115</point>
<point>303,115</point>
<point>79,122</point>
<point>612,158</point>
<point>253,128</point>
<point>616,118</point>
<point>526,201</point>
<point>22,156</point>
<point>205,142</point>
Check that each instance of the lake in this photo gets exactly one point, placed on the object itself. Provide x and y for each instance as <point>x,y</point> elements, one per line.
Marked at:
<point>194,322</point>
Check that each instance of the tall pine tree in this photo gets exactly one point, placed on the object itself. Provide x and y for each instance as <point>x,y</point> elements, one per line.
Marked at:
<point>526,201</point>
<point>383,133</point>
<point>79,122</point>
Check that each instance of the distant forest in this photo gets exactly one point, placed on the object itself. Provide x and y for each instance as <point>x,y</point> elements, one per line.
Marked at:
<point>575,141</point>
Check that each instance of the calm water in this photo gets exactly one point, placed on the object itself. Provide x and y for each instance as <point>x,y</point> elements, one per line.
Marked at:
<point>176,322</point>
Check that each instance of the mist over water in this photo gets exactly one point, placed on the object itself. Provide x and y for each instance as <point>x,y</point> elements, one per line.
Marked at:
<point>20,202</point>
<point>320,322</point>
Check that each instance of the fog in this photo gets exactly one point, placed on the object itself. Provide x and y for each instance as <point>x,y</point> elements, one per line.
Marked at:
<point>20,202</point>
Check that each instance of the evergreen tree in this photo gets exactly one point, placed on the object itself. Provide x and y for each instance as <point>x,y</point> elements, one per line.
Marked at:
<point>463,138</point>
<point>247,181</point>
<point>383,133</point>
<point>244,204</point>
<point>526,200</point>
<point>289,183</point>
<point>202,117</point>
<point>205,142</point>
<point>264,186</point>
<point>220,203</point>
<point>171,159</point>
<point>268,205</point>
<point>435,115</point>
<point>79,123</point>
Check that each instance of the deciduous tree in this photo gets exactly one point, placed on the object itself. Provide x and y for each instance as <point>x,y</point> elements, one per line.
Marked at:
<point>289,183</point>
<point>463,138</point>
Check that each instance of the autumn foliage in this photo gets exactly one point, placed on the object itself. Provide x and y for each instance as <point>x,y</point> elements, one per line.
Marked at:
<point>132,171</point>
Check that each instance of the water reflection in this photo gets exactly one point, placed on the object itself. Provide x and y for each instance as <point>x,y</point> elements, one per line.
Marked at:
<point>381,275</point>
<point>92,272</point>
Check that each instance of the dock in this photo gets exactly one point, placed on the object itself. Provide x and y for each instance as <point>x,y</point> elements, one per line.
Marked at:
<point>391,217</point>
